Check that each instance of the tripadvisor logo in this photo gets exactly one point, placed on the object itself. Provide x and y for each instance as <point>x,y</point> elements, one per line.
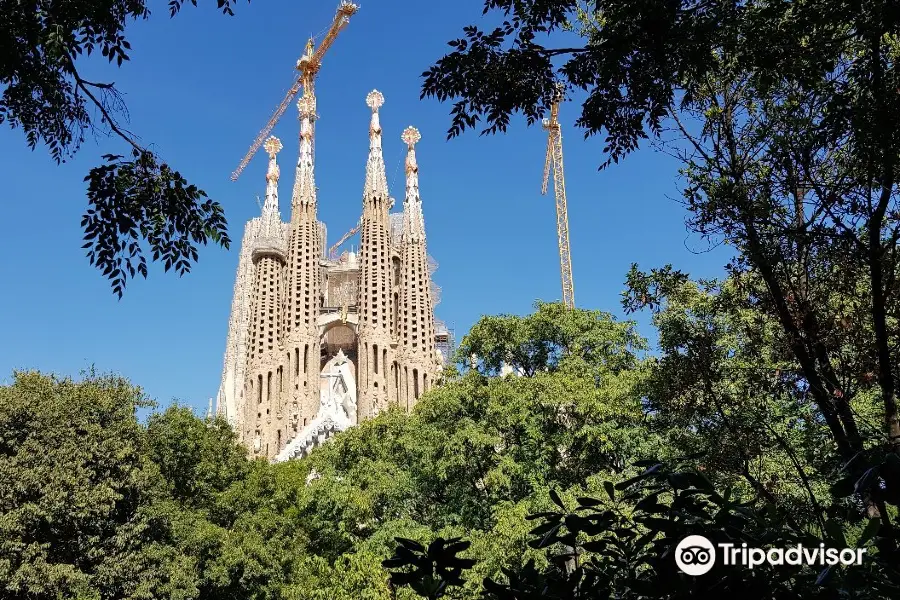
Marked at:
<point>696,555</point>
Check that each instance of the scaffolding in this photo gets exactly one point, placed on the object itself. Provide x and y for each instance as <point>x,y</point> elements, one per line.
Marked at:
<point>445,338</point>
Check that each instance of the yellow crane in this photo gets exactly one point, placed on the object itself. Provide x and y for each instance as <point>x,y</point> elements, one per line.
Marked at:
<point>555,157</point>
<point>308,65</point>
<point>332,252</point>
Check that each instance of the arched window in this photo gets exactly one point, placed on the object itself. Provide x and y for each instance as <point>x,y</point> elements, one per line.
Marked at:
<point>396,314</point>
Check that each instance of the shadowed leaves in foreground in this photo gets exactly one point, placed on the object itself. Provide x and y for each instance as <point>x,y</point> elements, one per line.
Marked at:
<point>434,570</point>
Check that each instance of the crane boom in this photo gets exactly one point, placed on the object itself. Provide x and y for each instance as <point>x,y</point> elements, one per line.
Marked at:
<point>341,18</point>
<point>332,252</point>
<point>554,158</point>
<point>308,66</point>
<point>268,128</point>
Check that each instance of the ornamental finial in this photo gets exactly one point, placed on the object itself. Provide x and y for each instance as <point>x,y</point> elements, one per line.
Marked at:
<point>411,135</point>
<point>273,146</point>
<point>375,100</point>
<point>413,222</point>
<point>376,180</point>
<point>270,208</point>
<point>307,106</point>
<point>304,192</point>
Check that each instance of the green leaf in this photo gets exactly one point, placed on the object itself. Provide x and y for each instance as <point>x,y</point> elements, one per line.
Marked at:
<point>556,499</point>
<point>868,533</point>
<point>866,480</point>
<point>843,487</point>
<point>835,532</point>
<point>588,502</point>
<point>610,490</point>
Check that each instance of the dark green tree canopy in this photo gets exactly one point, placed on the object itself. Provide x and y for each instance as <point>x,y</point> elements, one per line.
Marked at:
<point>783,118</point>
<point>638,61</point>
<point>571,483</point>
<point>136,201</point>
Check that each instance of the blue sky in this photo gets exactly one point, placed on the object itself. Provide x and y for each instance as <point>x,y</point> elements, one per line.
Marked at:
<point>199,88</point>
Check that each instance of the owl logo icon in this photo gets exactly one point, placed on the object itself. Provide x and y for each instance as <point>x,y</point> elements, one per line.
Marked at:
<point>695,555</point>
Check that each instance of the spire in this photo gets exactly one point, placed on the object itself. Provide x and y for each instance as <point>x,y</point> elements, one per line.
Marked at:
<point>273,147</point>
<point>376,179</point>
<point>413,221</point>
<point>271,231</point>
<point>302,276</point>
<point>304,185</point>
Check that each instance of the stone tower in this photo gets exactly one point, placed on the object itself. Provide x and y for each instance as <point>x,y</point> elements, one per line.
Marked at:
<point>316,341</point>
<point>303,302</point>
<point>375,287</point>
<point>415,319</point>
<point>264,369</point>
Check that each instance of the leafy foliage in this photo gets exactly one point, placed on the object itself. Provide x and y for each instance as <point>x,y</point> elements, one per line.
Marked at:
<point>630,68</point>
<point>44,94</point>
<point>550,339</point>
<point>139,200</point>
<point>781,115</point>
<point>476,456</point>
<point>623,547</point>
<point>75,491</point>
<point>197,459</point>
<point>434,569</point>
<point>173,509</point>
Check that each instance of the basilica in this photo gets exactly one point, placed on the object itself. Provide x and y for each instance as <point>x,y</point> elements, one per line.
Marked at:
<point>318,341</point>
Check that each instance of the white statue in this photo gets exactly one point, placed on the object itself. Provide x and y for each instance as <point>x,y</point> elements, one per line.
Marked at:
<point>338,395</point>
<point>337,409</point>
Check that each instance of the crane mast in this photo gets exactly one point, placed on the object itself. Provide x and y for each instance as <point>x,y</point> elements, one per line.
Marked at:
<point>555,158</point>
<point>308,65</point>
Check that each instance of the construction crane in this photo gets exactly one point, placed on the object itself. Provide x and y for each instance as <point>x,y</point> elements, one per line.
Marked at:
<point>308,65</point>
<point>332,252</point>
<point>555,157</point>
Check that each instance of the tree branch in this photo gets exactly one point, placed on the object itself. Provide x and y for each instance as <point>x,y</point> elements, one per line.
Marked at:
<point>557,51</point>
<point>83,85</point>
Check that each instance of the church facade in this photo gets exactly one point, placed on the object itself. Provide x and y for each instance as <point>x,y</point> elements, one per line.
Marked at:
<point>318,342</point>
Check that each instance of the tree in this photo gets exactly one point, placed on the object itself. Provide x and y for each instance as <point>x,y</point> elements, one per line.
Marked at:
<point>135,202</point>
<point>198,459</point>
<point>549,339</point>
<point>623,545</point>
<point>76,491</point>
<point>435,569</point>
<point>96,506</point>
<point>727,387</point>
<point>781,114</point>
<point>481,451</point>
